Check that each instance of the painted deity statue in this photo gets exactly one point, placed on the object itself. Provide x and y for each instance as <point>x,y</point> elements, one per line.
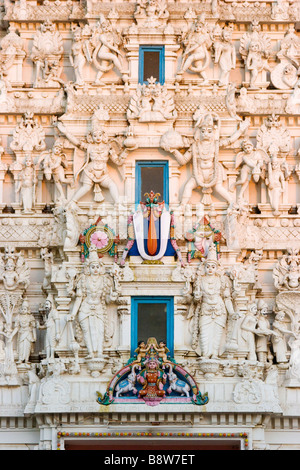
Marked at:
<point>153,379</point>
<point>208,172</point>
<point>212,297</point>
<point>94,172</point>
<point>91,292</point>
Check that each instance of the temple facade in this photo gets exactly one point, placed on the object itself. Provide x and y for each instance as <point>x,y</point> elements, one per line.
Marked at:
<point>150,224</point>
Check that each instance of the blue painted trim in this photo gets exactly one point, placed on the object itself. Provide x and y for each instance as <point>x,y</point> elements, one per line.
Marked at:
<point>169,301</point>
<point>138,177</point>
<point>161,50</point>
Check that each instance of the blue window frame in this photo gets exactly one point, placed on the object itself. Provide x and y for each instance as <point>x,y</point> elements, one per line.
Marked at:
<point>152,317</point>
<point>152,173</point>
<point>152,63</point>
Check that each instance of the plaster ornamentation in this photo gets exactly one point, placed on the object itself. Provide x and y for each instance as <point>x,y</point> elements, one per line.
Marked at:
<point>151,13</point>
<point>28,135</point>
<point>52,326</point>
<point>46,53</point>
<point>273,132</point>
<point>284,75</point>
<point>151,103</point>
<point>208,172</point>
<point>255,48</point>
<point>26,332</point>
<point>196,43</point>
<point>12,47</point>
<point>224,52</point>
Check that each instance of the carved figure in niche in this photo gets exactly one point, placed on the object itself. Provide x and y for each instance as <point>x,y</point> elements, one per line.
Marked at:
<point>25,325</point>
<point>197,42</point>
<point>224,52</point>
<point>273,133</point>
<point>94,172</point>
<point>104,50</point>
<point>93,289</point>
<point>28,135</point>
<point>47,257</point>
<point>26,184</point>
<point>46,53</point>
<point>14,270</point>
<point>252,162</point>
<point>152,13</point>
<point>151,103</point>
<point>284,75</point>
<point>51,325</point>
<point>212,296</point>
<point>279,340</point>
<point>79,55</point>
<point>245,103</point>
<point>255,48</point>
<point>278,174</point>
<point>54,163</point>
<point>208,172</point>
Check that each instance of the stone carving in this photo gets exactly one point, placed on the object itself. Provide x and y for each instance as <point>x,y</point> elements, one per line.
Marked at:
<point>104,50</point>
<point>284,75</point>
<point>293,102</point>
<point>15,272</point>
<point>94,173</point>
<point>224,52</point>
<point>196,42</point>
<point>212,303</point>
<point>252,163</point>
<point>29,135</point>
<point>11,47</point>
<point>273,133</point>
<point>54,163</point>
<point>255,48</point>
<point>51,325</point>
<point>79,53</point>
<point>26,184</point>
<point>279,340</point>
<point>47,51</point>
<point>92,290</point>
<point>25,326</point>
<point>151,103</point>
<point>208,172</point>
<point>286,273</point>
<point>151,13</point>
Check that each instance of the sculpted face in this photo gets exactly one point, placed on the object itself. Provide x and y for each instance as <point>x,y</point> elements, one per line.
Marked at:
<point>95,268</point>
<point>210,268</point>
<point>206,133</point>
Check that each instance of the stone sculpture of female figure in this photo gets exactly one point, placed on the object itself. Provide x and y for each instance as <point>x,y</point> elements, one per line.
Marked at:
<point>212,293</point>
<point>91,292</point>
<point>25,324</point>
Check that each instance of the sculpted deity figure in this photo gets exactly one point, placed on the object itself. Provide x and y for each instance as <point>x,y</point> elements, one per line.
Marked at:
<point>248,327</point>
<point>79,54</point>
<point>54,163</point>
<point>224,52</point>
<point>14,271</point>
<point>255,49</point>
<point>92,290</point>
<point>26,184</point>
<point>208,172</point>
<point>25,325</point>
<point>94,172</point>
<point>286,273</point>
<point>212,294</point>
<point>152,13</point>
<point>46,53</point>
<point>277,175</point>
<point>284,74</point>
<point>263,331</point>
<point>252,162</point>
<point>28,135</point>
<point>197,42</point>
<point>51,325</point>
<point>273,133</point>
<point>279,340</point>
<point>104,50</point>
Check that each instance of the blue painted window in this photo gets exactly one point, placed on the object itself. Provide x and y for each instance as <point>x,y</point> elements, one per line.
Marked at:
<point>152,317</point>
<point>152,63</point>
<point>152,176</point>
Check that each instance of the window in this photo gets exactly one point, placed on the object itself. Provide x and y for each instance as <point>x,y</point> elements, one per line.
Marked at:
<point>152,317</point>
<point>152,176</point>
<point>152,63</point>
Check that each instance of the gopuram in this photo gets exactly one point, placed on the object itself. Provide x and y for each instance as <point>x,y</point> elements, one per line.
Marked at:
<point>150,224</point>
